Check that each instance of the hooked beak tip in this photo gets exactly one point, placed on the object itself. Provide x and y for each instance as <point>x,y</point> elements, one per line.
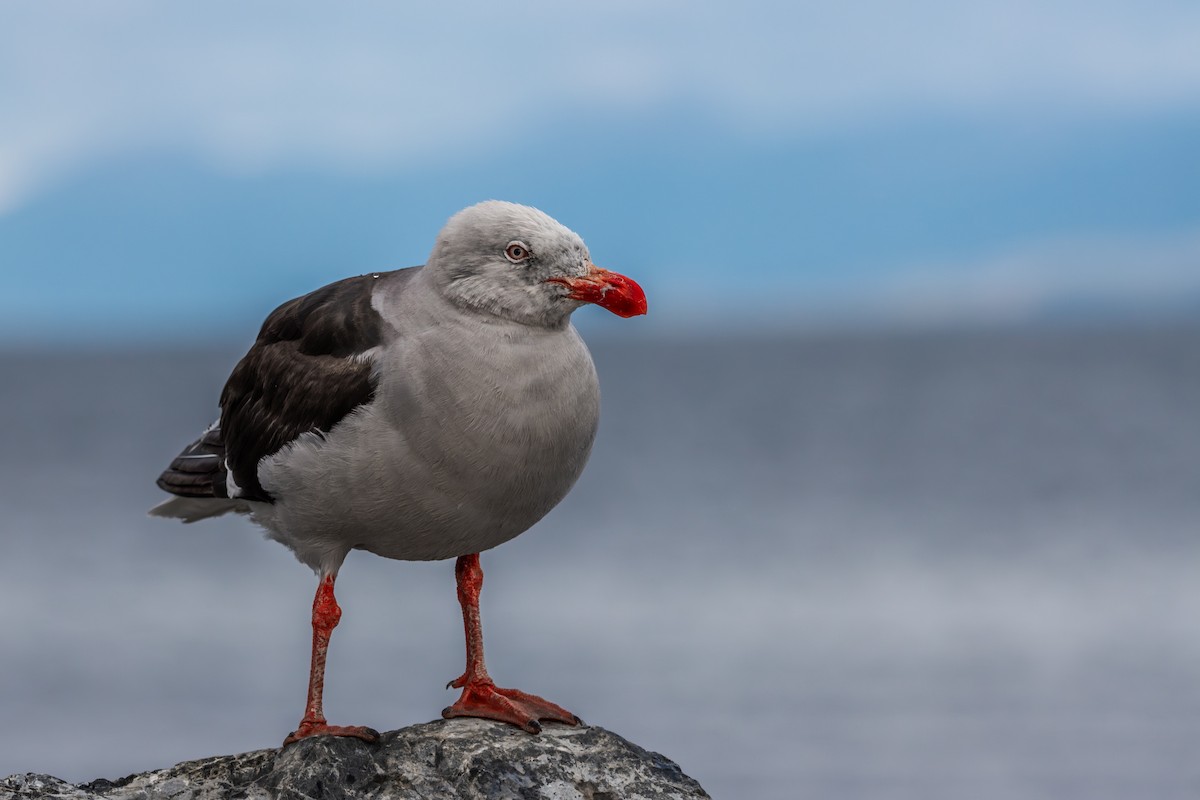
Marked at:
<point>609,290</point>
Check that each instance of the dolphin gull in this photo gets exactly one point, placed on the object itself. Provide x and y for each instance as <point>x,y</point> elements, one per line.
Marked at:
<point>427,413</point>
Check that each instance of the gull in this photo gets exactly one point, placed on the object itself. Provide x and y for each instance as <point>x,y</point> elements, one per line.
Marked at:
<point>422,414</point>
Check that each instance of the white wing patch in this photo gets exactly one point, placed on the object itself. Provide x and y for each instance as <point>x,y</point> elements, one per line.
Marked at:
<point>366,356</point>
<point>231,487</point>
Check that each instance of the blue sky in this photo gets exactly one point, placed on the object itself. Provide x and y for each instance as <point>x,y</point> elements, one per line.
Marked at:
<point>170,172</point>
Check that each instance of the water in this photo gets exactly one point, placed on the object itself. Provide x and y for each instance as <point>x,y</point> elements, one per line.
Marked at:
<point>926,566</point>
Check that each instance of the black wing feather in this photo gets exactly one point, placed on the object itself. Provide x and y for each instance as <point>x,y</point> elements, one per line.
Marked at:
<point>199,471</point>
<point>298,377</point>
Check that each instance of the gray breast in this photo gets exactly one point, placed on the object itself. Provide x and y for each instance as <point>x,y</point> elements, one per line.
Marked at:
<point>508,419</point>
<point>473,437</point>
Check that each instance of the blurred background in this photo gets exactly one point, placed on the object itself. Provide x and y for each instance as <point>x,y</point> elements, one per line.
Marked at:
<point>896,489</point>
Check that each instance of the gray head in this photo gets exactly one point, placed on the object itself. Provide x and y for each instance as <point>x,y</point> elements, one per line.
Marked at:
<point>514,262</point>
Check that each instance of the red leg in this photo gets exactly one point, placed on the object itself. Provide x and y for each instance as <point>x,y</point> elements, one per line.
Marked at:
<point>325,617</point>
<point>481,697</point>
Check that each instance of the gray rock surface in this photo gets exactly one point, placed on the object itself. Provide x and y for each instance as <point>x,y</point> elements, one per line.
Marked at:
<point>463,758</point>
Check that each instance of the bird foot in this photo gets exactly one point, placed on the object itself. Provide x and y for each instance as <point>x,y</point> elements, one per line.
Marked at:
<point>485,700</point>
<point>314,728</point>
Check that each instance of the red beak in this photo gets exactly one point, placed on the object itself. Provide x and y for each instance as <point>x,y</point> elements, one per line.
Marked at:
<point>620,295</point>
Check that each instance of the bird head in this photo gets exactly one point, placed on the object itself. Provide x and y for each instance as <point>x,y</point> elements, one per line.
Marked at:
<point>515,262</point>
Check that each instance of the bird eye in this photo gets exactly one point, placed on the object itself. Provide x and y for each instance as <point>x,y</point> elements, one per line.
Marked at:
<point>516,251</point>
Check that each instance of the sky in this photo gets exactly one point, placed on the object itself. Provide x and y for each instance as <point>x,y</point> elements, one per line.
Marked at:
<point>171,172</point>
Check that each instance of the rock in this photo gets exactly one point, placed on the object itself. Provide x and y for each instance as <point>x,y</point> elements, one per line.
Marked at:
<point>463,758</point>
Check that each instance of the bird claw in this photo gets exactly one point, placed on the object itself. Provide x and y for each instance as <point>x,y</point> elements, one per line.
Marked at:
<point>308,729</point>
<point>487,701</point>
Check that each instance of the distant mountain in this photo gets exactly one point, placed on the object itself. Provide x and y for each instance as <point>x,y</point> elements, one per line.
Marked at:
<point>722,232</point>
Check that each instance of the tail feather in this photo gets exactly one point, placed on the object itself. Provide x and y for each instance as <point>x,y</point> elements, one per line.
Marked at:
<point>192,509</point>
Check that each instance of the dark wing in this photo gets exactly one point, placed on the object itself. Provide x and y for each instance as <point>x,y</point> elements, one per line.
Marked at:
<point>301,375</point>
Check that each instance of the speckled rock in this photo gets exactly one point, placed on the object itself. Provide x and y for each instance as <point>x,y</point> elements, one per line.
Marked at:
<point>464,758</point>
